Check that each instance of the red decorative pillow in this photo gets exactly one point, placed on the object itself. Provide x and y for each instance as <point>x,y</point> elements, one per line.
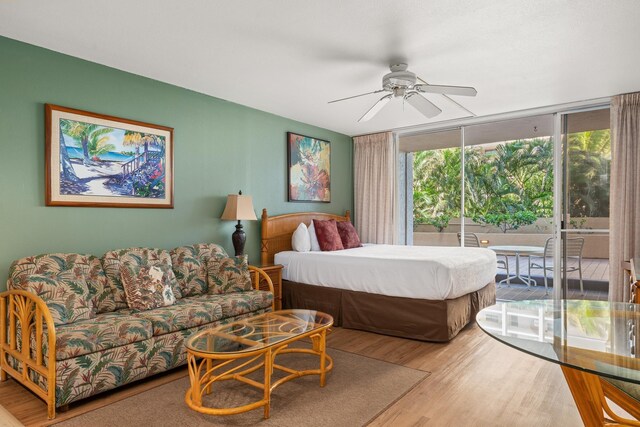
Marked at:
<point>348,235</point>
<point>328,236</point>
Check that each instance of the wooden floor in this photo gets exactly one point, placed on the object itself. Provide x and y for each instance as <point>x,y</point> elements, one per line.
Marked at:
<point>474,381</point>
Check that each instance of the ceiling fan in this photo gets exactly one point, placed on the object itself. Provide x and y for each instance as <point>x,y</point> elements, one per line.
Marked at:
<point>402,83</point>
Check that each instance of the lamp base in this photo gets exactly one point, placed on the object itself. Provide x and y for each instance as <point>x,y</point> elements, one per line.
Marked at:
<point>239,238</point>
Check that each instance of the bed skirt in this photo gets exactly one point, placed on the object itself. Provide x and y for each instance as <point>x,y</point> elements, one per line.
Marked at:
<point>425,320</point>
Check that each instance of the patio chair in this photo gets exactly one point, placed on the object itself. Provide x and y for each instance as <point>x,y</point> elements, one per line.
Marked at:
<point>471,241</point>
<point>574,252</point>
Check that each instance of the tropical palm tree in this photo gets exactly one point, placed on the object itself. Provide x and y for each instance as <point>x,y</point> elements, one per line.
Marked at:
<point>436,191</point>
<point>98,145</point>
<point>590,154</point>
<point>67,171</point>
<point>137,139</point>
<point>514,177</point>
<point>83,132</point>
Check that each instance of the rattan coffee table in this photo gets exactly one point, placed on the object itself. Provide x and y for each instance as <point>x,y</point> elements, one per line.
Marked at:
<point>237,349</point>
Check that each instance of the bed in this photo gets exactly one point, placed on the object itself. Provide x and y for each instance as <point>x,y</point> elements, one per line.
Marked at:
<point>422,293</point>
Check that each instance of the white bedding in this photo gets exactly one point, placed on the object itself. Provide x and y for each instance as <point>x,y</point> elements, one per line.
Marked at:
<point>425,272</point>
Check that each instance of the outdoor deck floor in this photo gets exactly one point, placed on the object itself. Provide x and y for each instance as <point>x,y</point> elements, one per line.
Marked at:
<point>522,292</point>
<point>594,271</point>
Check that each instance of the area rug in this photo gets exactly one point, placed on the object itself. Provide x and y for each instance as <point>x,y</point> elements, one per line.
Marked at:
<point>357,390</point>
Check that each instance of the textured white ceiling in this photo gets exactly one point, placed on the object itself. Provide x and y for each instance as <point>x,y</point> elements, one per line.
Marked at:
<point>289,57</point>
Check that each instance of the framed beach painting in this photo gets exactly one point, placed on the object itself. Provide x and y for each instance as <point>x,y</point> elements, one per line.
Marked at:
<point>97,160</point>
<point>309,174</point>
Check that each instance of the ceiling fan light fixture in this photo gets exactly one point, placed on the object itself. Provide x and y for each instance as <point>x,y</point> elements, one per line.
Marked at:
<point>405,79</point>
<point>401,83</point>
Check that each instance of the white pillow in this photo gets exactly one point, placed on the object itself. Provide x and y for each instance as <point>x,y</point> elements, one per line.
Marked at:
<point>300,241</point>
<point>315,246</point>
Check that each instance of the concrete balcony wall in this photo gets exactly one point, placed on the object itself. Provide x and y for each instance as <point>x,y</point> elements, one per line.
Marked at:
<point>595,245</point>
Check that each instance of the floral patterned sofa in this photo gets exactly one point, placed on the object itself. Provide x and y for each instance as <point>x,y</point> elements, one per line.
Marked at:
<point>85,339</point>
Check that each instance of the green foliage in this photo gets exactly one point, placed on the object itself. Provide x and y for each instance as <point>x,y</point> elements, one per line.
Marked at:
<point>439,222</point>
<point>91,137</point>
<point>590,160</point>
<point>511,185</point>
<point>436,186</point>
<point>98,142</point>
<point>516,176</point>
<point>508,221</point>
<point>511,178</point>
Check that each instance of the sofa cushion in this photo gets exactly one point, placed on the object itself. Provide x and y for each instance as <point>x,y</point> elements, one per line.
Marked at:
<point>112,260</point>
<point>238,303</point>
<point>185,314</point>
<point>66,295</point>
<point>147,286</point>
<point>228,274</point>
<point>83,266</point>
<point>190,266</point>
<point>103,332</point>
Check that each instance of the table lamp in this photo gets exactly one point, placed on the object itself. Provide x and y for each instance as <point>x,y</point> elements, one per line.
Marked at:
<point>239,208</point>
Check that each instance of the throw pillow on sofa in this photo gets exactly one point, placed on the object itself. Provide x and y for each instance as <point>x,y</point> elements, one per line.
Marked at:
<point>113,260</point>
<point>228,274</point>
<point>148,286</point>
<point>66,295</point>
<point>189,264</point>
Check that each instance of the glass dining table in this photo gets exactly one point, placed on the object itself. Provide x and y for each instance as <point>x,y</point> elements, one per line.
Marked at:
<point>594,342</point>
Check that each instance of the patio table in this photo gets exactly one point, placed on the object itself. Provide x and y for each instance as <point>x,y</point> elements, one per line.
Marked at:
<point>518,250</point>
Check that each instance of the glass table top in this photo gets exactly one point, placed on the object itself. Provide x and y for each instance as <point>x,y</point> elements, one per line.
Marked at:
<point>593,336</point>
<point>258,332</point>
<point>512,249</point>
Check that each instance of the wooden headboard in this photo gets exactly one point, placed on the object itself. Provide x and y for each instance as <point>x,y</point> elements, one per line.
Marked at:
<point>277,230</point>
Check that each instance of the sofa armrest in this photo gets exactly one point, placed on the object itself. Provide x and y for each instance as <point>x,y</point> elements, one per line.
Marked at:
<point>21,314</point>
<point>261,274</point>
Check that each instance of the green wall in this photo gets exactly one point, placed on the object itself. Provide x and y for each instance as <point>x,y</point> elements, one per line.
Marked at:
<point>220,148</point>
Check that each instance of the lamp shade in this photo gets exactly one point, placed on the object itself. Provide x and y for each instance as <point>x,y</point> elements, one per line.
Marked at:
<point>238,208</point>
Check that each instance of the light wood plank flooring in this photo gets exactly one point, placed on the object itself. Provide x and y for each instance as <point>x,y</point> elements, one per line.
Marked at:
<point>474,381</point>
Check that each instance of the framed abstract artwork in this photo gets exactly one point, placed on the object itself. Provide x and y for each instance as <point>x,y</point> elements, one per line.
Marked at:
<point>309,172</point>
<point>96,160</point>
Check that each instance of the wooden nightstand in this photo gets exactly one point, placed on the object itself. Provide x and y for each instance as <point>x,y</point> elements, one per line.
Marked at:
<point>274,271</point>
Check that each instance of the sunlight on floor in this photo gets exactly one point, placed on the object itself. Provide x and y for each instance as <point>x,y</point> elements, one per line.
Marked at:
<point>8,420</point>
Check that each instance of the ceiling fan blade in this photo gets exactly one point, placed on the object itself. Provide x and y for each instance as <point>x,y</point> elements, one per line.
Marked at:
<point>422,104</point>
<point>376,108</point>
<point>356,96</point>
<point>447,90</point>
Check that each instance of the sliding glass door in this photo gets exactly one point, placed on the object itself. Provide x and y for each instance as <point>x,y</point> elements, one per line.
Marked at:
<point>508,198</point>
<point>533,189</point>
<point>584,218</point>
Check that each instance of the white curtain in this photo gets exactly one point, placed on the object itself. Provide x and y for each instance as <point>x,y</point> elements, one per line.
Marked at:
<point>374,187</point>
<point>624,217</point>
